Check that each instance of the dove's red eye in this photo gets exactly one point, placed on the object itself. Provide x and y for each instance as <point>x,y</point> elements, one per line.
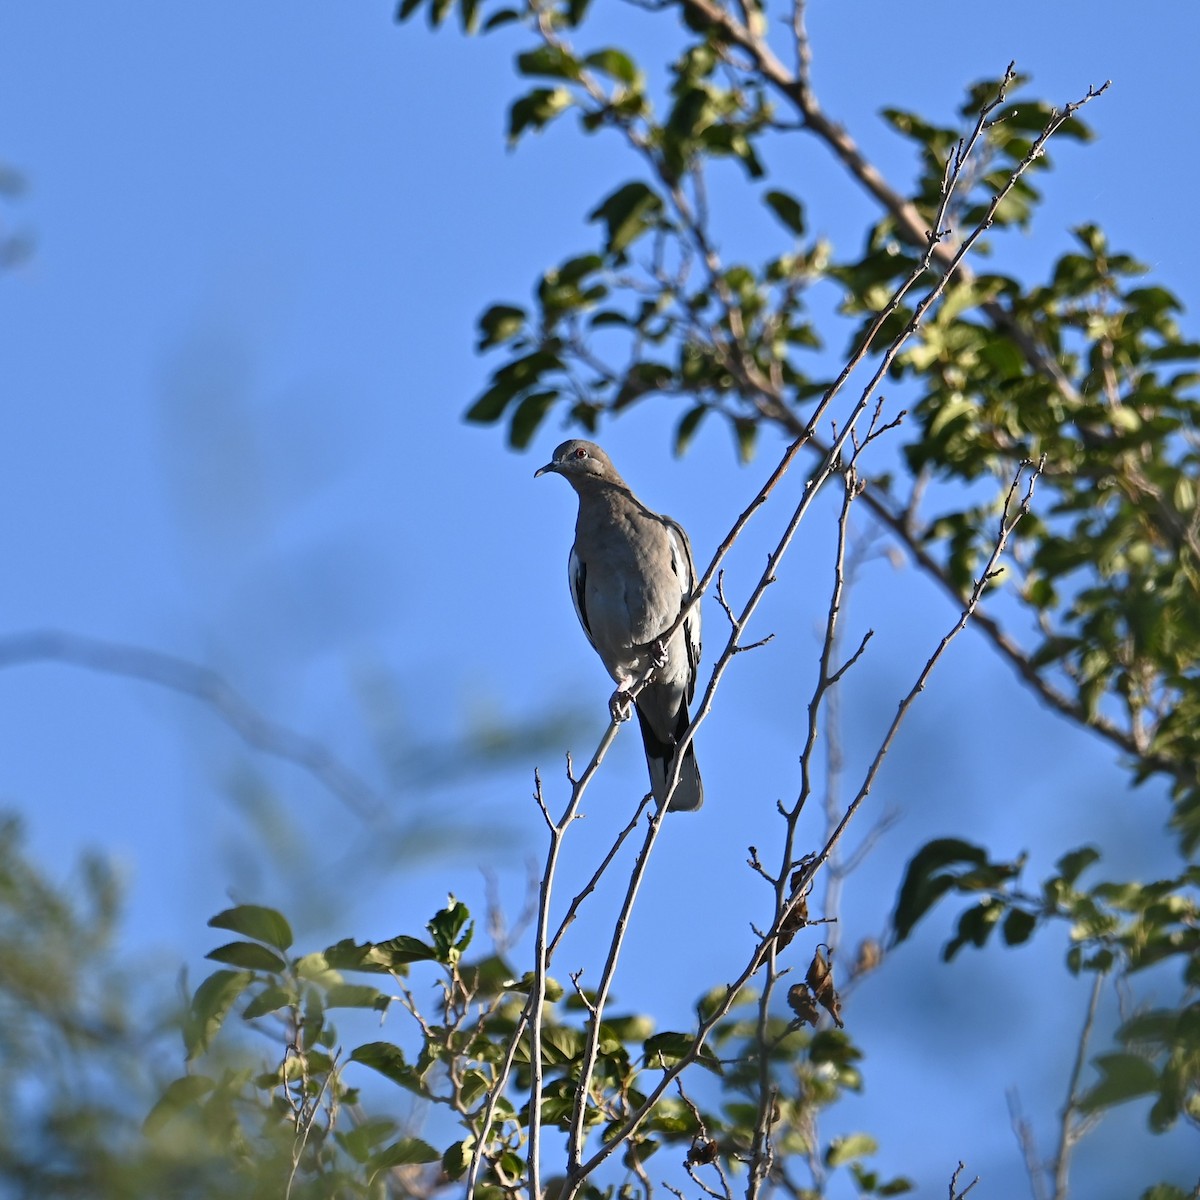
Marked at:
<point>580,452</point>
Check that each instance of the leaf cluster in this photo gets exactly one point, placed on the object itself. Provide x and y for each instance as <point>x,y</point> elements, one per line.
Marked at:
<point>1117,927</point>
<point>453,1058</point>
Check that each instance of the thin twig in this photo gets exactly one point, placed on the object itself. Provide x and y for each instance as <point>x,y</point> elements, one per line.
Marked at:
<point>537,994</point>
<point>955,1194</point>
<point>1068,1131</point>
<point>1008,523</point>
<point>592,1047</point>
<point>1023,1131</point>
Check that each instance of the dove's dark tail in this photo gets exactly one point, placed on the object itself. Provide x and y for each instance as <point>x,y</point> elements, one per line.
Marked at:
<point>660,758</point>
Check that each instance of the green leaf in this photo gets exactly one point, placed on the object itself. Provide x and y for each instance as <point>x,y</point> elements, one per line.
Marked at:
<point>550,61</point>
<point>608,316</point>
<point>349,955</point>
<point>535,110</point>
<point>1074,863</point>
<point>402,950</point>
<point>554,989</point>
<point>380,957</point>
<point>487,977</point>
<point>641,378</point>
<point>627,213</point>
<point>503,16</point>
<point>633,1028</point>
<point>1123,1077</point>
<point>254,921</point>
<point>457,1158</point>
<point>974,926</point>
<point>616,64</point>
<point>388,1060</point>
<point>356,995</point>
<point>362,1139</point>
<point>501,323</point>
<point>833,1047</point>
<point>788,209</point>
<point>923,886</point>
<point>561,1044</point>
<point>528,417</point>
<point>578,268</point>
<point>445,928</point>
<point>402,1153</point>
<point>210,1006</point>
<point>692,111</point>
<point>685,431</point>
<point>668,1049</point>
<point>1018,926</point>
<point>472,1086</point>
<point>846,1149</point>
<point>269,1000</point>
<point>180,1094</point>
<point>250,955</point>
<point>406,9</point>
<point>468,13</point>
<point>745,431</point>
<point>491,404</point>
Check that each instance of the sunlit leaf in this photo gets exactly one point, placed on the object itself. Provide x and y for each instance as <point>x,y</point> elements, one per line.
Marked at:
<point>254,921</point>
<point>210,1006</point>
<point>250,955</point>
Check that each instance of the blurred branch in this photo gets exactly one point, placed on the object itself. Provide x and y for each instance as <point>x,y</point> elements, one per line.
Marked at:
<point>14,247</point>
<point>1023,1131</point>
<point>1070,1130</point>
<point>202,684</point>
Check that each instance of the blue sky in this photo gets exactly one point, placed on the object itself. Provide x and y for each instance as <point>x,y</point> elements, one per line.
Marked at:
<point>232,384</point>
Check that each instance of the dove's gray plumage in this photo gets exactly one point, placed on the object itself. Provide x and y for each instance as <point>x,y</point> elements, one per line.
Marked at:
<point>630,572</point>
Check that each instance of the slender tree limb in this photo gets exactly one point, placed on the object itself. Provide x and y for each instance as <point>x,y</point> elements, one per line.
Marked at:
<point>1009,521</point>
<point>955,1194</point>
<point>901,526</point>
<point>205,685</point>
<point>592,1047</point>
<point>1027,1142</point>
<point>761,1155</point>
<point>1068,1129</point>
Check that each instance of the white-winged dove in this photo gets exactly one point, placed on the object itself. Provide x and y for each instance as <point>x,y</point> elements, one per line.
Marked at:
<point>630,572</point>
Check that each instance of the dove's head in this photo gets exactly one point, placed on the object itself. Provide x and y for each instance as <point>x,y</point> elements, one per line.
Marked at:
<point>581,462</point>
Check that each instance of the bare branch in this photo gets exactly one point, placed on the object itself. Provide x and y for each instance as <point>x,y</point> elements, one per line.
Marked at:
<point>1069,1129</point>
<point>1023,1130</point>
<point>1008,524</point>
<point>955,1194</point>
<point>592,1048</point>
